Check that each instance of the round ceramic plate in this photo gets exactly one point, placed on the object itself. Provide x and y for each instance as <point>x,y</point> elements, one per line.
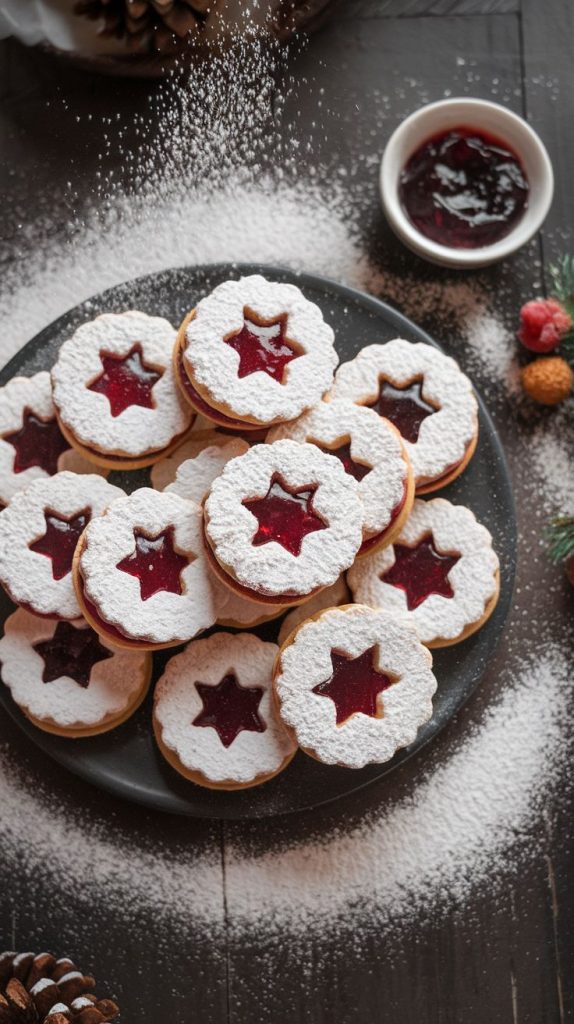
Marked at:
<point>126,762</point>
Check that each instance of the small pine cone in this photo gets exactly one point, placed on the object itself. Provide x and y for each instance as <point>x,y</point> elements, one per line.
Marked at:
<point>145,25</point>
<point>38,989</point>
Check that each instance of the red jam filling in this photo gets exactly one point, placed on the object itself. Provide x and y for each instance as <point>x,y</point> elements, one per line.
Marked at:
<point>354,685</point>
<point>464,189</point>
<point>285,516</point>
<point>343,453</point>
<point>60,540</point>
<point>263,346</point>
<point>155,563</point>
<point>421,571</point>
<point>204,408</point>
<point>405,407</point>
<point>37,443</point>
<point>71,652</point>
<point>125,381</point>
<point>229,708</point>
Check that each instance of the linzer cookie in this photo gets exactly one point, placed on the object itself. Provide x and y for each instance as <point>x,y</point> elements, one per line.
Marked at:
<point>140,572</point>
<point>115,393</point>
<point>253,353</point>
<point>441,574</point>
<point>371,450</point>
<point>354,684</point>
<point>240,612</point>
<point>282,522</point>
<point>331,597</point>
<point>39,531</point>
<point>32,445</point>
<point>214,715</point>
<point>165,470</point>
<point>195,476</point>
<point>427,397</point>
<point>66,679</point>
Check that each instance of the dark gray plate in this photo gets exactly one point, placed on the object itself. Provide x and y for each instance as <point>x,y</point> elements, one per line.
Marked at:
<point>125,761</point>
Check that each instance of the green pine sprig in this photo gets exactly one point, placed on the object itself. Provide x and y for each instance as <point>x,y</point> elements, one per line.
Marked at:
<point>560,536</point>
<point>562,278</point>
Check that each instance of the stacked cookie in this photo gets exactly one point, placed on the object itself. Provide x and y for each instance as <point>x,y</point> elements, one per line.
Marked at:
<point>273,476</point>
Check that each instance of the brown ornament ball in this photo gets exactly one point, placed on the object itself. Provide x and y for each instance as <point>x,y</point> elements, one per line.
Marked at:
<point>548,381</point>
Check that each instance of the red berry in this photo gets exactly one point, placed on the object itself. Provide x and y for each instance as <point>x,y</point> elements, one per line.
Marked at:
<point>543,324</point>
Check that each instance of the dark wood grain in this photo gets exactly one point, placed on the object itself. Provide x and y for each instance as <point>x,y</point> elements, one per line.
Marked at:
<point>506,955</point>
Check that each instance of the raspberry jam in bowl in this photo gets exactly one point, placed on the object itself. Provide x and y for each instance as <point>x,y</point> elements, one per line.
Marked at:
<point>465,182</point>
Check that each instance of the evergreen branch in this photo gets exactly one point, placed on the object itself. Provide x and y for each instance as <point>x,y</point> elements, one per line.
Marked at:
<point>560,536</point>
<point>562,277</point>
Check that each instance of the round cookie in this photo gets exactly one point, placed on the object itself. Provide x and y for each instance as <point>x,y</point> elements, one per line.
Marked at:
<point>214,717</point>
<point>441,574</point>
<point>355,685</point>
<point>32,446</point>
<point>427,397</point>
<point>195,476</point>
<point>164,471</point>
<point>253,353</point>
<point>282,522</point>
<point>68,681</point>
<point>115,393</point>
<point>140,572</point>
<point>371,450</point>
<point>39,531</point>
<point>331,597</point>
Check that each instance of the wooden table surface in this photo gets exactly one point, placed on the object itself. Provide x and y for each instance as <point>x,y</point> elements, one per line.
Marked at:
<point>507,956</point>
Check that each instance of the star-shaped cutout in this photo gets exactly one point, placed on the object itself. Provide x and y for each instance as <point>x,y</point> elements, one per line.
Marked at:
<point>155,563</point>
<point>354,685</point>
<point>421,571</point>
<point>60,540</point>
<point>285,516</point>
<point>71,652</point>
<point>229,708</point>
<point>126,380</point>
<point>37,443</point>
<point>405,407</point>
<point>357,469</point>
<point>262,345</point>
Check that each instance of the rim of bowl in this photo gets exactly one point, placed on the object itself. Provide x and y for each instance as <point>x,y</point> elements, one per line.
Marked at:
<point>433,118</point>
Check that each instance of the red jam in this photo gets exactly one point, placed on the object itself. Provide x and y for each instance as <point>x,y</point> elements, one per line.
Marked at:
<point>421,571</point>
<point>354,685</point>
<point>404,407</point>
<point>37,443</point>
<point>264,347</point>
<point>229,708</point>
<point>464,189</point>
<point>125,381</point>
<point>71,652</point>
<point>284,516</point>
<point>155,563</point>
<point>60,540</point>
<point>353,468</point>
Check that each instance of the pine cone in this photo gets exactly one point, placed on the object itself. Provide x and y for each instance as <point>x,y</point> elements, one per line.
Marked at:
<point>146,25</point>
<point>38,989</point>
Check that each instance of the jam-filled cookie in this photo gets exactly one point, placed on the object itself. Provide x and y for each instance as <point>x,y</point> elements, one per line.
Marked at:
<point>140,572</point>
<point>253,353</point>
<point>165,470</point>
<point>355,684</point>
<point>441,573</point>
<point>282,522</point>
<point>32,445</point>
<point>331,597</point>
<point>214,716</point>
<point>195,476</point>
<point>39,531</point>
<point>371,450</point>
<point>427,397</point>
<point>115,393</point>
<point>66,679</point>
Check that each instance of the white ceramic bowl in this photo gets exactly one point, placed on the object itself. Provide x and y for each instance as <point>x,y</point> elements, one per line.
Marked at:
<point>494,120</point>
